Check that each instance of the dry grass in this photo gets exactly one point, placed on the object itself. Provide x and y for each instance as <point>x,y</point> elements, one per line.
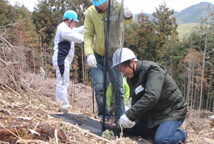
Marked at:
<point>25,116</point>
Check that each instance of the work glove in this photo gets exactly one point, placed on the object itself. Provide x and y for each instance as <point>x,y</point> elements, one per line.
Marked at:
<point>126,12</point>
<point>92,62</point>
<point>125,122</point>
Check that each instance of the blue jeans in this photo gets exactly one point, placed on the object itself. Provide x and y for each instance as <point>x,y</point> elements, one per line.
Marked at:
<point>116,79</point>
<point>166,133</point>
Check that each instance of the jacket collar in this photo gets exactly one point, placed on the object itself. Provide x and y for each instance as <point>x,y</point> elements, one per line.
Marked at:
<point>99,11</point>
<point>138,68</point>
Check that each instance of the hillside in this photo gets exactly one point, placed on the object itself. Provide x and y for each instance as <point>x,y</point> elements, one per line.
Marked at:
<point>184,30</point>
<point>192,14</point>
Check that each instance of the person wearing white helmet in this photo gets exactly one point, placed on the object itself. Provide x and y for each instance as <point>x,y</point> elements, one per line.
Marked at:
<point>94,46</point>
<point>66,35</point>
<point>158,108</point>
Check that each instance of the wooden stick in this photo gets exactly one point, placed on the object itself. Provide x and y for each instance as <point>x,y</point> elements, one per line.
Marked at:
<point>10,88</point>
<point>13,133</point>
<point>85,131</point>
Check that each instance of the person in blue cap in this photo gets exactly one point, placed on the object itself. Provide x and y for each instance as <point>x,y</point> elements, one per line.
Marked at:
<point>94,46</point>
<point>66,35</point>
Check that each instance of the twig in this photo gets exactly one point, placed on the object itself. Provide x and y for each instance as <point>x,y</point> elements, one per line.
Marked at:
<point>98,137</point>
<point>87,141</point>
<point>4,62</point>
<point>56,137</point>
<point>4,142</point>
<point>13,133</point>
<point>48,94</point>
<point>16,131</point>
<point>27,87</point>
<point>5,41</point>
<point>10,88</point>
<point>32,141</point>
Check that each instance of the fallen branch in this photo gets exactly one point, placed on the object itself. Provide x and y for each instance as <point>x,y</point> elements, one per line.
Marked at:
<point>4,142</point>
<point>4,62</point>
<point>56,137</point>
<point>85,131</point>
<point>31,141</point>
<point>10,88</point>
<point>84,139</point>
<point>25,85</point>
<point>13,133</point>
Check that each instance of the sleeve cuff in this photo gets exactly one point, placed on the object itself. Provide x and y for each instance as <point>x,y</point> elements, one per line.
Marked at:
<point>130,116</point>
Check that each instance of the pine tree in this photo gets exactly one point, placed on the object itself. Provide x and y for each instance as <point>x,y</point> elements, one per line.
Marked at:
<point>164,26</point>
<point>145,36</point>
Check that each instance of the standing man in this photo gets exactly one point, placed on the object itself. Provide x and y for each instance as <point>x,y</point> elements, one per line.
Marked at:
<point>94,46</point>
<point>66,36</point>
<point>158,107</point>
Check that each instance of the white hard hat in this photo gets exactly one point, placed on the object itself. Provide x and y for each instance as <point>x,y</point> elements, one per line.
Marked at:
<point>121,55</point>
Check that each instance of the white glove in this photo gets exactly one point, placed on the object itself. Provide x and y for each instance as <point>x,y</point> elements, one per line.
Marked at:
<point>125,122</point>
<point>92,62</point>
<point>126,12</point>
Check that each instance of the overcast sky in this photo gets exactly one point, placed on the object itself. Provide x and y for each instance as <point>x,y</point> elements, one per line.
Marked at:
<point>147,6</point>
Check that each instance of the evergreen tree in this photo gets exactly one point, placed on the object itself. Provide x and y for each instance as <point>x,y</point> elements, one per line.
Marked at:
<point>6,13</point>
<point>164,26</point>
<point>130,37</point>
<point>145,36</point>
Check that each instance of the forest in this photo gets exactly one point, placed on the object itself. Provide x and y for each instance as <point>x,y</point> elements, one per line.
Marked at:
<point>26,43</point>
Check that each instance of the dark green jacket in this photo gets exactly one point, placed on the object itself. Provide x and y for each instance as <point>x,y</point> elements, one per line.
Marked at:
<point>155,95</point>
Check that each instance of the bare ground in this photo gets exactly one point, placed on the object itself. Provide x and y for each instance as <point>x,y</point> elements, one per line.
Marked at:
<point>25,116</point>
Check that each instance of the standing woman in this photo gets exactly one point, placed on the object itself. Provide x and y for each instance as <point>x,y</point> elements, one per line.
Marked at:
<point>66,35</point>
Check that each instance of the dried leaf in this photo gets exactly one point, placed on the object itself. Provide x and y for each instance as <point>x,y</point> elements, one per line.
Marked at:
<point>33,131</point>
<point>25,118</point>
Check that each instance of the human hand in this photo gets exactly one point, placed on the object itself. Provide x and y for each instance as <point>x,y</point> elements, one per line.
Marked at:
<point>125,122</point>
<point>92,62</point>
<point>126,12</point>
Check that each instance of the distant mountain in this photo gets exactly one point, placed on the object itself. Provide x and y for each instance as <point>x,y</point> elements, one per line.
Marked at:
<point>192,14</point>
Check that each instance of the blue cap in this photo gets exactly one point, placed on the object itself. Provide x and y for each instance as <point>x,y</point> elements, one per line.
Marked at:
<point>98,2</point>
<point>70,14</point>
